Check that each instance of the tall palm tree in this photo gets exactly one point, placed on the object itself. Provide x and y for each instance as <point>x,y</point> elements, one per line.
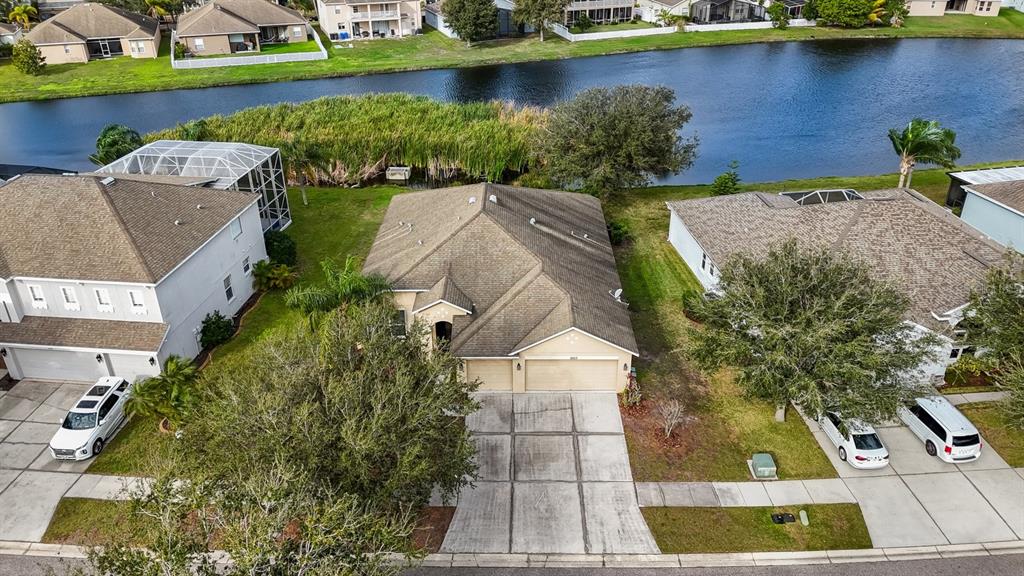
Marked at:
<point>304,160</point>
<point>343,286</point>
<point>23,14</point>
<point>168,395</point>
<point>923,141</point>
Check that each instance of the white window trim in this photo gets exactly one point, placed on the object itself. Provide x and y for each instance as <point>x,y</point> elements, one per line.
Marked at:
<point>70,304</point>
<point>37,303</point>
<point>109,305</point>
<point>138,304</point>
<point>199,44</point>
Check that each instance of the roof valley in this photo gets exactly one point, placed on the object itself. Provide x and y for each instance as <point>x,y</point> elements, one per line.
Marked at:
<point>124,229</point>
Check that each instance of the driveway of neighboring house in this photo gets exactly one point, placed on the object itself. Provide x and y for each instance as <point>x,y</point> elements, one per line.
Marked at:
<point>31,482</point>
<point>920,500</point>
<point>554,478</point>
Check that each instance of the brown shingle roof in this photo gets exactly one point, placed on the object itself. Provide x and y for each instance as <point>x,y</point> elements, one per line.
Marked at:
<point>90,20</point>
<point>84,333</point>
<point>235,17</point>
<point>107,229</point>
<point>905,238</point>
<point>1009,193</point>
<point>526,281</point>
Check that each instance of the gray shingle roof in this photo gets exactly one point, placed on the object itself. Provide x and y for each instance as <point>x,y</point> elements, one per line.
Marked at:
<point>235,17</point>
<point>91,20</point>
<point>78,227</point>
<point>1008,193</point>
<point>525,281</point>
<point>84,333</point>
<point>905,238</point>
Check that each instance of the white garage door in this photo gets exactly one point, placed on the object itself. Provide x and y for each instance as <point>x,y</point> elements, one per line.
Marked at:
<point>133,366</point>
<point>582,374</point>
<point>57,364</point>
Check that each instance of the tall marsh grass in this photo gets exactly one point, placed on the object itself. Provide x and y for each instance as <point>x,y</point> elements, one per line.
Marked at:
<point>360,136</point>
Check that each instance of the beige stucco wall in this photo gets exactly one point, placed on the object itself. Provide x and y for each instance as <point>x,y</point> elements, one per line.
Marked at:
<point>55,54</point>
<point>927,7</point>
<point>494,375</point>
<point>979,8</point>
<point>335,18</point>
<point>291,34</point>
<point>211,45</point>
<point>150,47</point>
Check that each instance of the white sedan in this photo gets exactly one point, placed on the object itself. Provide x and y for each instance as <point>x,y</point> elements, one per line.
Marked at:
<point>92,421</point>
<point>858,444</point>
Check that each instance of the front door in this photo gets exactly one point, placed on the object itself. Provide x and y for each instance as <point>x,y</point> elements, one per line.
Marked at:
<point>442,335</point>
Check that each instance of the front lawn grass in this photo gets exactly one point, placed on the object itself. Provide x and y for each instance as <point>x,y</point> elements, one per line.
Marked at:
<point>989,419</point>
<point>713,530</point>
<point>434,50</point>
<point>135,451</point>
<point>86,522</point>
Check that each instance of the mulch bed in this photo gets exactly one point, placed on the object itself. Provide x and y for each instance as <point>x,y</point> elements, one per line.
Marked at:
<point>642,424</point>
<point>431,527</point>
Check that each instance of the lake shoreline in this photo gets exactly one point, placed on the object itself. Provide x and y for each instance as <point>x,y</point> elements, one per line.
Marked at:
<point>1009,25</point>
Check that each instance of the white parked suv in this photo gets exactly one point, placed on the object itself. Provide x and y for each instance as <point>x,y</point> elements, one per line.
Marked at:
<point>858,444</point>
<point>945,431</point>
<point>92,421</point>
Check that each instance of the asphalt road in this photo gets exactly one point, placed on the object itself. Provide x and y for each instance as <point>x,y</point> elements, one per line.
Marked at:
<point>976,566</point>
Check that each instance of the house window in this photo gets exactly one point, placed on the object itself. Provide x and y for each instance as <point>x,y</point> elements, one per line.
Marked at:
<point>70,298</point>
<point>954,353</point>
<point>67,49</point>
<point>137,47</point>
<point>36,293</point>
<point>246,268</point>
<point>103,302</point>
<point>398,323</point>
<point>229,292</point>
<point>138,303</point>
<point>703,261</point>
<point>236,227</point>
<point>199,45</point>
<point>297,32</point>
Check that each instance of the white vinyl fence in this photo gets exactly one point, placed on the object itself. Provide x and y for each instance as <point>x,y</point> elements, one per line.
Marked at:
<point>565,33</point>
<point>189,63</point>
<point>795,23</point>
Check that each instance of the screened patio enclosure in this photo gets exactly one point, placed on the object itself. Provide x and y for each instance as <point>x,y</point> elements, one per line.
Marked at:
<point>225,165</point>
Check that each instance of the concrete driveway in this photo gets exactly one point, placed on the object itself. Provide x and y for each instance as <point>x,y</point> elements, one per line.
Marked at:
<point>31,482</point>
<point>554,478</point>
<point>919,500</point>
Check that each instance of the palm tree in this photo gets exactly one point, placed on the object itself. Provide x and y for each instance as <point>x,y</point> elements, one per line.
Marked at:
<point>343,286</point>
<point>157,8</point>
<point>168,395</point>
<point>923,141</point>
<point>303,162</point>
<point>23,14</point>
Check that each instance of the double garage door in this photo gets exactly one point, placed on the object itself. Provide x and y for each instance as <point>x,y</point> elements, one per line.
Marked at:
<point>547,374</point>
<point>75,365</point>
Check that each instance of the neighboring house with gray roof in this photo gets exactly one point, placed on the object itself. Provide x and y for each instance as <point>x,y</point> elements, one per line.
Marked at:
<point>997,210</point>
<point>92,31</point>
<point>103,276</point>
<point>9,33</point>
<point>906,239</point>
<point>520,283</point>
<point>232,26</point>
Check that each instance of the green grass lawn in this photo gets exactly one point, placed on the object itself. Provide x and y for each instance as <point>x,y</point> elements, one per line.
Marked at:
<point>134,451</point>
<point>434,50</point>
<point>711,530</point>
<point>86,522</point>
<point>988,418</point>
<point>289,47</point>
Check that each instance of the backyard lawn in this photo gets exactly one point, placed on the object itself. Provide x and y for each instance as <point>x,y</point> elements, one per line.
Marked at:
<point>434,50</point>
<point>290,47</point>
<point>712,530</point>
<point>988,418</point>
<point>634,25</point>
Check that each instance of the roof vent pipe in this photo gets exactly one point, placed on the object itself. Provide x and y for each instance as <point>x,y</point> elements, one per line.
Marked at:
<point>199,206</point>
<point>472,199</point>
<point>493,198</point>
<point>533,221</point>
<point>177,222</point>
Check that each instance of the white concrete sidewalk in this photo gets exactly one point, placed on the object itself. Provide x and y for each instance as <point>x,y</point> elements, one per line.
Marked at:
<point>971,397</point>
<point>739,494</point>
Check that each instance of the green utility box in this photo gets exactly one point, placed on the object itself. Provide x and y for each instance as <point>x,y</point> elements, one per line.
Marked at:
<point>763,466</point>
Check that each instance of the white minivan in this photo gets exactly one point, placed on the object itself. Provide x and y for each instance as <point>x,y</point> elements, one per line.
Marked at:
<point>946,432</point>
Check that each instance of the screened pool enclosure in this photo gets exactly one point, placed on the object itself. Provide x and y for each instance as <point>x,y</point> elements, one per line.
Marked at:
<point>226,165</point>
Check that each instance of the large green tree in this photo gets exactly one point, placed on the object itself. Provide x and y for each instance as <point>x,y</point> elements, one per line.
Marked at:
<point>311,453</point>
<point>608,139</point>
<point>537,13</point>
<point>343,286</point>
<point>995,317</point>
<point>114,141</point>
<point>471,20</point>
<point>27,58</point>
<point>813,328</point>
<point>923,141</point>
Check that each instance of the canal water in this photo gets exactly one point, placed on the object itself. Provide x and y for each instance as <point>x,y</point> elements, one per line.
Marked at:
<point>786,110</point>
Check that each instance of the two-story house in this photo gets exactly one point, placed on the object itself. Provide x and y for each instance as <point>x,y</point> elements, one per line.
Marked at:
<point>367,19</point>
<point>108,276</point>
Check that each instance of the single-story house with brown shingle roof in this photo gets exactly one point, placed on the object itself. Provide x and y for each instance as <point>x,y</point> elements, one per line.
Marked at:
<point>519,283</point>
<point>90,31</point>
<point>230,26</point>
<point>9,33</point>
<point>105,276</point>
<point>905,238</point>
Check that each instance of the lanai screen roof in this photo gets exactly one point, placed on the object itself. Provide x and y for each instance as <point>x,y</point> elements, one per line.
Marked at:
<point>225,161</point>
<point>989,175</point>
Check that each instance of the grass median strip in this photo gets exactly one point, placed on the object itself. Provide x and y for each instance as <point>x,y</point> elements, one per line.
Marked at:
<point>86,522</point>
<point>714,530</point>
<point>434,50</point>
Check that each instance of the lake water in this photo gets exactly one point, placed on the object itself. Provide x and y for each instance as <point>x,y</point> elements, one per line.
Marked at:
<point>786,110</point>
